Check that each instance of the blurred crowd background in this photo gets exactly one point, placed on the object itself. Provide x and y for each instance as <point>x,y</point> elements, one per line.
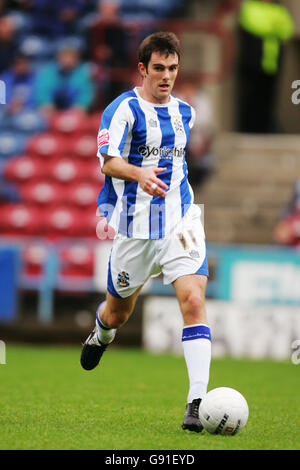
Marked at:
<point>61,63</point>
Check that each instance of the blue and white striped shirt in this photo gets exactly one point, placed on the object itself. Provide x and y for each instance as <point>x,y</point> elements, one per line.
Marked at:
<point>148,135</point>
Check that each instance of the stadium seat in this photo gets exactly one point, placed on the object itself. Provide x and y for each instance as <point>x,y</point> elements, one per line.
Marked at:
<point>20,219</point>
<point>70,122</point>
<point>33,257</point>
<point>36,47</point>
<point>67,169</point>
<point>23,168</point>
<point>84,146</point>
<point>46,145</point>
<point>63,221</point>
<point>77,260</point>
<point>5,120</point>
<point>8,192</point>
<point>94,172</point>
<point>74,42</point>
<point>11,143</point>
<point>94,123</point>
<point>83,194</point>
<point>22,21</point>
<point>43,192</point>
<point>29,122</point>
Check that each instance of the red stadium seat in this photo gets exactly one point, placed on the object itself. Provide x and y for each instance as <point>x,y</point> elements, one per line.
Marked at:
<point>63,221</point>
<point>67,169</point>
<point>77,260</point>
<point>43,192</point>
<point>84,146</point>
<point>24,168</point>
<point>70,122</point>
<point>94,172</point>
<point>34,256</point>
<point>47,145</point>
<point>94,124</point>
<point>19,219</point>
<point>90,221</point>
<point>83,194</point>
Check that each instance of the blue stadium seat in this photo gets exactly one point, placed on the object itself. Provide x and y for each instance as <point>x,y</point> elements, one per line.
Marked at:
<point>76,42</point>
<point>11,143</point>
<point>36,47</point>
<point>149,9</point>
<point>5,120</point>
<point>9,193</point>
<point>29,122</point>
<point>22,21</point>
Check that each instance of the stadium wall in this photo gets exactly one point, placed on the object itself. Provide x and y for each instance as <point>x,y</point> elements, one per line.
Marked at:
<point>242,330</point>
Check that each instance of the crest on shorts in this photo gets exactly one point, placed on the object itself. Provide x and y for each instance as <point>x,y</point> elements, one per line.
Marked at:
<point>194,254</point>
<point>103,138</point>
<point>123,279</point>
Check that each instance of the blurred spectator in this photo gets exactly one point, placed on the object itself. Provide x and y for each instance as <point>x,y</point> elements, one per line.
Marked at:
<point>109,51</point>
<point>8,42</point>
<point>2,7</point>
<point>17,4</point>
<point>57,18</point>
<point>150,9</point>
<point>109,37</point>
<point>19,82</point>
<point>65,83</point>
<point>200,160</point>
<point>287,230</point>
<point>264,27</point>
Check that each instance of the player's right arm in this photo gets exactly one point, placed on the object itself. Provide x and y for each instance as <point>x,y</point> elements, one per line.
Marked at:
<point>119,168</point>
<point>117,121</point>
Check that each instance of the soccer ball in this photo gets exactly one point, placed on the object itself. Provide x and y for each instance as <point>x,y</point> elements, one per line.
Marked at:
<point>223,410</point>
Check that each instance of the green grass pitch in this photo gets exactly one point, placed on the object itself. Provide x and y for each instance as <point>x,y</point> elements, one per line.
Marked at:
<point>136,400</point>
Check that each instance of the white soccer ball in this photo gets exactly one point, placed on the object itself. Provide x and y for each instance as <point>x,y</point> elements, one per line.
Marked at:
<point>223,410</point>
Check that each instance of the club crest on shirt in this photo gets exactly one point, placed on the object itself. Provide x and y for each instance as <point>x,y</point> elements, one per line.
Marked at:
<point>152,123</point>
<point>123,279</point>
<point>177,123</point>
<point>103,138</point>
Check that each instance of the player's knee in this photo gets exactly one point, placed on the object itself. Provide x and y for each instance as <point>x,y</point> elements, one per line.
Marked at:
<point>117,319</point>
<point>193,301</point>
<point>192,306</point>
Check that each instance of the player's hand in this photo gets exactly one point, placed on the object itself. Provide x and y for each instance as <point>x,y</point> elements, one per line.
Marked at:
<point>150,183</point>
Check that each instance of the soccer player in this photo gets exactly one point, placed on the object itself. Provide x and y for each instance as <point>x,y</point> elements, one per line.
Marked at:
<point>148,201</point>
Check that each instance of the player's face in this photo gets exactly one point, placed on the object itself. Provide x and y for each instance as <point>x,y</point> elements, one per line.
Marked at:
<point>159,77</point>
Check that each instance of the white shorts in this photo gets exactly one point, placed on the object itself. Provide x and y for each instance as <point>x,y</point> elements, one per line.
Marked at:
<point>133,261</point>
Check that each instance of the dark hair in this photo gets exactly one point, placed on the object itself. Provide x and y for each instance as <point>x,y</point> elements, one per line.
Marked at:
<point>164,42</point>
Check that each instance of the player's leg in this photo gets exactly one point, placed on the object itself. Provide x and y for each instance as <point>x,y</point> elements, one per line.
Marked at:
<point>111,315</point>
<point>184,264</point>
<point>129,267</point>
<point>196,342</point>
